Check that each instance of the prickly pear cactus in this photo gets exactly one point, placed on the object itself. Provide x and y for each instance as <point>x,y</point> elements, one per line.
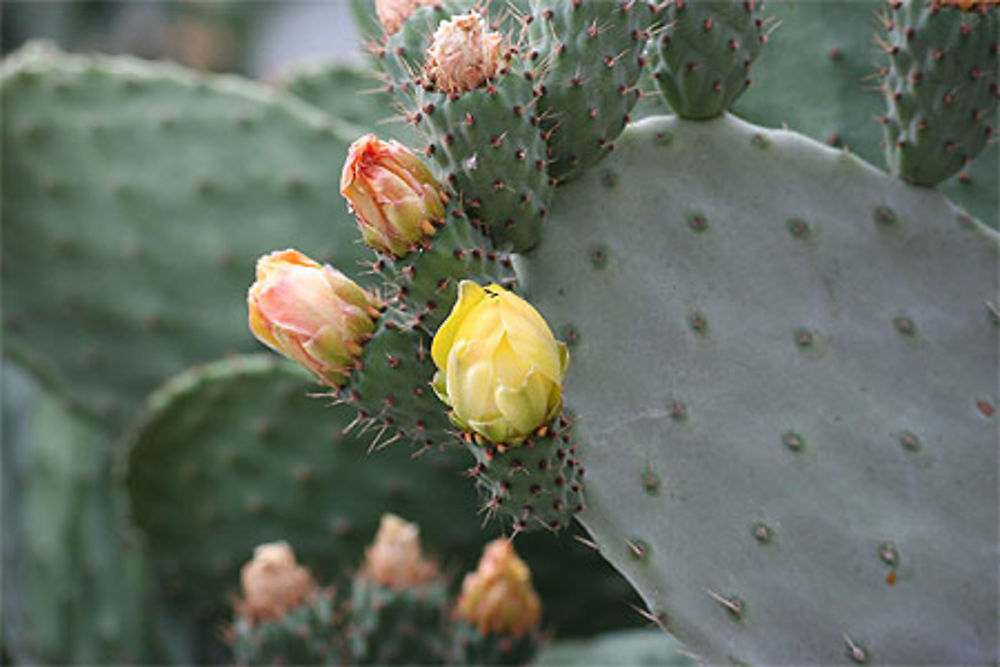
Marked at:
<point>109,253</point>
<point>810,400</point>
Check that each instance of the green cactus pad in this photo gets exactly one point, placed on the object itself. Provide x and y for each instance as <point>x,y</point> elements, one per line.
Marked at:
<point>306,635</point>
<point>136,198</point>
<point>537,484</point>
<point>392,391</point>
<point>426,280</point>
<point>471,647</point>
<point>489,147</point>
<point>588,57</point>
<point>940,87</point>
<point>798,460</point>
<point>391,626</point>
<point>76,587</point>
<point>235,454</point>
<point>350,94</point>
<point>702,57</point>
<point>627,648</point>
<point>825,52</point>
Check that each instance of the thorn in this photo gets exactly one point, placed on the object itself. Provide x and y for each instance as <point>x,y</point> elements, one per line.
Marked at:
<point>655,619</point>
<point>587,543</point>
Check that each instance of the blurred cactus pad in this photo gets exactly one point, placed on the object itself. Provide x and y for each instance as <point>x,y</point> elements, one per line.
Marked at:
<point>765,234</point>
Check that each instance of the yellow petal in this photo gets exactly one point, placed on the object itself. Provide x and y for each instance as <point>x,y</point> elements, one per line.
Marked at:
<point>530,336</point>
<point>527,407</point>
<point>469,295</point>
<point>470,382</point>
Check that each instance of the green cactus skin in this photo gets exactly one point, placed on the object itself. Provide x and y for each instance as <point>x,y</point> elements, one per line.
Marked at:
<point>350,94</point>
<point>798,462</point>
<point>703,55</point>
<point>537,484</point>
<point>426,280</point>
<point>940,87</point>
<point>823,52</point>
<point>470,647</point>
<point>588,57</point>
<point>126,183</point>
<point>234,454</point>
<point>76,589</point>
<point>397,626</point>
<point>306,635</point>
<point>391,390</point>
<point>626,648</point>
<point>489,147</point>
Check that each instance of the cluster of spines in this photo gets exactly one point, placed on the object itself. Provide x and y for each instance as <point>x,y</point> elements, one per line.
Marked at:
<point>587,58</point>
<point>538,483</point>
<point>940,86</point>
<point>423,284</point>
<point>704,53</point>
<point>489,146</point>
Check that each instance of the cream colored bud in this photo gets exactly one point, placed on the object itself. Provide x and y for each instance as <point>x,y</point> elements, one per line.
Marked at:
<point>394,559</point>
<point>463,54</point>
<point>393,13</point>
<point>273,583</point>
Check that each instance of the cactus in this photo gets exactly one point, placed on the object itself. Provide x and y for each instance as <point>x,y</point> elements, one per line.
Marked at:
<point>940,87</point>
<point>627,648</point>
<point>113,249</point>
<point>703,55</point>
<point>783,389</point>
<point>810,408</point>
<point>75,588</point>
<point>588,77</point>
<point>823,52</point>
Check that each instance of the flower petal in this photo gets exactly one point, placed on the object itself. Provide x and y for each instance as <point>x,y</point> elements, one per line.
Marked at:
<point>469,295</point>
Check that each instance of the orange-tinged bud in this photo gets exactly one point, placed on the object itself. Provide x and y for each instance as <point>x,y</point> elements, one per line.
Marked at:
<point>392,13</point>
<point>463,54</point>
<point>498,597</point>
<point>273,583</point>
<point>394,196</point>
<point>394,559</point>
<point>310,313</point>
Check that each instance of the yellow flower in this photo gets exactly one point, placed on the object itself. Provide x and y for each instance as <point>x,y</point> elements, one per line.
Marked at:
<point>312,314</point>
<point>499,366</point>
<point>498,597</point>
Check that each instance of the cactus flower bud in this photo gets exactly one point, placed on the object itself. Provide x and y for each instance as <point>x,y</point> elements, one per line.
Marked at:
<point>273,583</point>
<point>499,366</point>
<point>498,597</point>
<point>394,196</point>
<point>393,13</point>
<point>463,54</point>
<point>310,313</point>
<point>394,559</point>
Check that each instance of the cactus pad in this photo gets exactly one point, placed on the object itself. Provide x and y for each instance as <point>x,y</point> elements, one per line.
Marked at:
<point>128,183</point>
<point>801,465</point>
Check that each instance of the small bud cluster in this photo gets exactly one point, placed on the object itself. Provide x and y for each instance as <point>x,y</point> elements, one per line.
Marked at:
<point>273,583</point>
<point>463,54</point>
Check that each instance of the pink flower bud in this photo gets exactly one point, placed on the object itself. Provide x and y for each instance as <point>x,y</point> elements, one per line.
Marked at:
<point>394,559</point>
<point>273,583</point>
<point>394,196</point>
<point>392,13</point>
<point>463,54</point>
<point>312,314</point>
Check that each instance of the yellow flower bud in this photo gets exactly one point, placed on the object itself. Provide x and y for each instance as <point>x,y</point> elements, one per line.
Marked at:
<point>394,196</point>
<point>273,583</point>
<point>463,54</point>
<point>499,366</point>
<point>312,314</point>
<point>394,559</point>
<point>498,597</point>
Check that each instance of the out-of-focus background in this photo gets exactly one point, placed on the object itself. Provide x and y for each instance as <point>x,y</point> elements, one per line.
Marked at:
<point>257,38</point>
